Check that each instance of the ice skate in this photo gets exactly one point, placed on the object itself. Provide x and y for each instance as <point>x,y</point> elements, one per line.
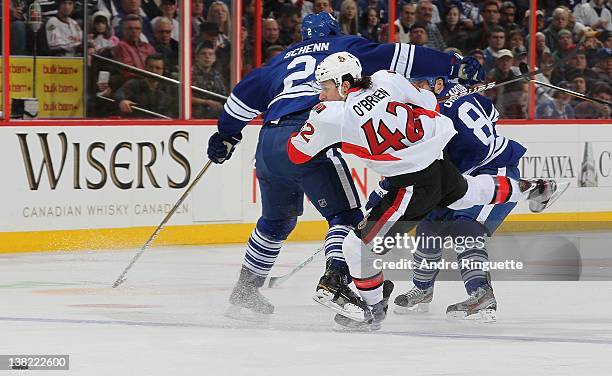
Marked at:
<point>414,301</point>
<point>480,306</point>
<point>246,302</point>
<point>374,315</point>
<point>543,193</point>
<point>334,292</point>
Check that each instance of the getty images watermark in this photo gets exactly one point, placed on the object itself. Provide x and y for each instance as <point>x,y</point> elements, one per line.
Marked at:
<point>402,243</point>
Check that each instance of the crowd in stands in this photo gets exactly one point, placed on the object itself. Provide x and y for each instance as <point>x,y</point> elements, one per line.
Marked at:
<point>145,34</point>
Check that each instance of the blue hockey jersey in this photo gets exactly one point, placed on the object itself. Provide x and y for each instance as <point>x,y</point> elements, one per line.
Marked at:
<point>287,84</point>
<point>477,143</point>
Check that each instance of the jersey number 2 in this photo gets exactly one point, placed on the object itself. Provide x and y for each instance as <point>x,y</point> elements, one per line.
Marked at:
<point>413,133</point>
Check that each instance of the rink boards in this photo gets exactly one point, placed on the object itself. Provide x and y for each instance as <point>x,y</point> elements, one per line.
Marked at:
<point>93,187</point>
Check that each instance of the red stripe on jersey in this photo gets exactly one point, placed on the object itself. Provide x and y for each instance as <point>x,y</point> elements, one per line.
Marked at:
<point>369,283</point>
<point>364,153</point>
<point>418,111</point>
<point>503,190</point>
<point>401,193</point>
<point>295,155</point>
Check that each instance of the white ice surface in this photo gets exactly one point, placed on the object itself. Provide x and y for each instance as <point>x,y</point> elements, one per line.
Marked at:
<point>167,319</point>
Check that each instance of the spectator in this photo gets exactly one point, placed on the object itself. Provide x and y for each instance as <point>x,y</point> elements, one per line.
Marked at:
<point>560,21</point>
<point>209,31</point>
<point>248,56</point>
<point>539,21</point>
<point>370,28</point>
<point>147,93</point>
<point>542,50</point>
<point>594,14</point>
<point>270,34</point>
<point>579,85</point>
<point>132,7</point>
<point>150,8</point>
<point>272,51</point>
<point>557,108</point>
<point>496,41</point>
<point>503,65</point>
<point>452,29</point>
<point>406,19</point>
<point>509,98</point>
<point>131,50</point>
<point>605,38</point>
<point>565,45</point>
<point>271,8</point>
<point>379,6</point>
<point>164,44</point>
<point>520,55</point>
<point>603,65</point>
<point>385,37</point>
<point>348,17</point>
<point>593,110</point>
<point>64,36</point>
<point>18,28</point>
<point>418,34</point>
<point>424,13</point>
<point>205,76</point>
<point>168,8</point>
<point>516,39</point>
<point>288,20</point>
<point>470,13</point>
<point>490,15</point>
<point>102,36</point>
<point>197,16</point>
<point>577,66</point>
<point>219,14</point>
<point>324,6</point>
<point>507,18</point>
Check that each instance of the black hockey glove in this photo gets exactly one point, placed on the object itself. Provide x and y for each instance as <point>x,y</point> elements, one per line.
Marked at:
<point>377,194</point>
<point>220,148</point>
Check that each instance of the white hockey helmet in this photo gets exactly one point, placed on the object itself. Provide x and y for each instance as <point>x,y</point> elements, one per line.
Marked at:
<point>336,66</point>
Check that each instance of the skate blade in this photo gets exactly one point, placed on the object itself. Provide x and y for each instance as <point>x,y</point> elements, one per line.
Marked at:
<point>540,207</point>
<point>349,310</point>
<point>365,328</point>
<point>345,325</point>
<point>482,316</point>
<point>415,309</point>
<point>244,314</point>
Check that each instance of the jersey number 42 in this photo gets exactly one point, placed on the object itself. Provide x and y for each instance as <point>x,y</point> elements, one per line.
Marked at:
<point>394,140</point>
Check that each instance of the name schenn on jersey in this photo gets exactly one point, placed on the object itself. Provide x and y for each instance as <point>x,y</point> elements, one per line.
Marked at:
<point>370,101</point>
<point>316,47</point>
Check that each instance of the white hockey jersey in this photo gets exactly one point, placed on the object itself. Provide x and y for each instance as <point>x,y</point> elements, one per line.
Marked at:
<point>392,126</point>
<point>64,36</point>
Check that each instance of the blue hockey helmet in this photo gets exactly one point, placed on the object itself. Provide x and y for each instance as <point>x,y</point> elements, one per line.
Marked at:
<point>431,81</point>
<point>319,25</point>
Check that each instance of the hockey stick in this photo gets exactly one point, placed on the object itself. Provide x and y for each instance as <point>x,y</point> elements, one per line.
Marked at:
<point>272,282</point>
<point>573,93</point>
<point>146,245</point>
<point>525,74</point>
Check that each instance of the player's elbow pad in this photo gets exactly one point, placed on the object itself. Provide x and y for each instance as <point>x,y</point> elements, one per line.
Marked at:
<point>296,156</point>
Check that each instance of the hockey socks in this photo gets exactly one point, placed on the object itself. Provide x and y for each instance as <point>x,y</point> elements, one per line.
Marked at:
<point>261,253</point>
<point>333,245</point>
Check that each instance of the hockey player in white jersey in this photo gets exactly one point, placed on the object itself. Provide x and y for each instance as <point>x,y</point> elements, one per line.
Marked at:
<point>394,128</point>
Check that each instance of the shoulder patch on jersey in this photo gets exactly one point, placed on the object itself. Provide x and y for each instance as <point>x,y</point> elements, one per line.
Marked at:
<point>319,108</point>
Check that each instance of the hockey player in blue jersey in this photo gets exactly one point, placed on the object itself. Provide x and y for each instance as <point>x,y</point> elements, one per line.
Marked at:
<point>476,149</point>
<point>285,90</point>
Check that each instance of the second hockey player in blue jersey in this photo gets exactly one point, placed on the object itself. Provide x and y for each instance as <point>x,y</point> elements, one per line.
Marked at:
<point>476,149</point>
<point>285,90</point>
